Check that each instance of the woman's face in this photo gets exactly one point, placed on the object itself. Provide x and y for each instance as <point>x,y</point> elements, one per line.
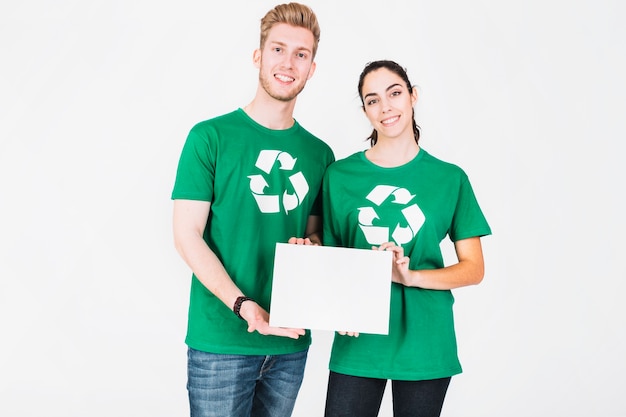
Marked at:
<point>388,104</point>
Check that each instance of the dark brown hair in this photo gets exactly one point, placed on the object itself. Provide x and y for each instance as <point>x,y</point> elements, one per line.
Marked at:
<point>401,72</point>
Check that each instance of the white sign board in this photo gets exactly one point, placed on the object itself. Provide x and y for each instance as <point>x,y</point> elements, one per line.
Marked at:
<point>330,288</point>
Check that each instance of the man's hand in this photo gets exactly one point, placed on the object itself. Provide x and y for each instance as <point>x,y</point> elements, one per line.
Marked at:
<point>352,334</point>
<point>258,319</point>
<point>301,241</point>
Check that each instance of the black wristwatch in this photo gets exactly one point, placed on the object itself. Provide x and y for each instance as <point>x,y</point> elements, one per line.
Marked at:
<point>237,307</point>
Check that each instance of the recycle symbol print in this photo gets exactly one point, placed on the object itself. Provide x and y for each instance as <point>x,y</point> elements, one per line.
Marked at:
<point>375,235</point>
<point>269,203</point>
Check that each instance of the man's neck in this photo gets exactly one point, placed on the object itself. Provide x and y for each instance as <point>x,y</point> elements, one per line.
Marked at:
<point>271,113</point>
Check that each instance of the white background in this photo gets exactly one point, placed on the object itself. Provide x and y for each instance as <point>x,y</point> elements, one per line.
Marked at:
<point>96,99</point>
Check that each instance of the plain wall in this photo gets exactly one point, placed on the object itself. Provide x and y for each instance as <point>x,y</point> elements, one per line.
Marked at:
<point>97,97</point>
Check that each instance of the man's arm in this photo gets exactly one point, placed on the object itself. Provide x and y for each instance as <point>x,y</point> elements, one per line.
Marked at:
<point>190,219</point>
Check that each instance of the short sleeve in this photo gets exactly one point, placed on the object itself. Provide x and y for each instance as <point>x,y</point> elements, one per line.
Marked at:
<point>195,174</point>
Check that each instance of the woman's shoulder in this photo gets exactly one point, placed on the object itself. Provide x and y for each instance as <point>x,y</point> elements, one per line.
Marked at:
<point>440,164</point>
<point>347,162</point>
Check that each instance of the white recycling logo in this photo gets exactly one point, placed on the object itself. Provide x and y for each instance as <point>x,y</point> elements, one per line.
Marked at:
<point>269,203</point>
<point>375,235</point>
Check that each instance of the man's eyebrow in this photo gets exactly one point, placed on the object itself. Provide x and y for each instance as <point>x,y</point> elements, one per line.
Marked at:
<point>283,44</point>
<point>277,43</point>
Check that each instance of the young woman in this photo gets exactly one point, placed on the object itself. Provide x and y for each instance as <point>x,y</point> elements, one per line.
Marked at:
<point>396,196</point>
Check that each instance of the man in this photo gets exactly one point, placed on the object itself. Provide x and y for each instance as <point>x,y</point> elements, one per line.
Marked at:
<point>246,180</point>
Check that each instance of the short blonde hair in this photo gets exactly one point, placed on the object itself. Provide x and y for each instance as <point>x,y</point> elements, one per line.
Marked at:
<point>294,14</point>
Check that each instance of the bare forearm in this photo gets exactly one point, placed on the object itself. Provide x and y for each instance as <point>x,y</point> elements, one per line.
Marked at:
<point>208,268</point>
<point>458,275</point>
<point>189,223</point>
<point>469,270</point>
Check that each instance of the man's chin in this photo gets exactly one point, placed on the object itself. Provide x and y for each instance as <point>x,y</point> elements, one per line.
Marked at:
<point>285,96</point>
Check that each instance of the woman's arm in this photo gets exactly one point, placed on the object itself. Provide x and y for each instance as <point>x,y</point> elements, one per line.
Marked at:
<point>469,270</point>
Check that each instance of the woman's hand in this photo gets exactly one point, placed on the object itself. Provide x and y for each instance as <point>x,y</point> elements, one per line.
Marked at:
<point>400,270</point>
<point>469,270</point>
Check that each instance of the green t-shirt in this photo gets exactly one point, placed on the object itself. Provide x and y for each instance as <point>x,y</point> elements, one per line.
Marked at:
<point>262,185</point>
<point>414,205</point>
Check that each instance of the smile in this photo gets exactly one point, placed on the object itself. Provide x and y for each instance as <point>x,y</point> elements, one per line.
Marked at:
<point>390,121</point>
<point>284,78</point>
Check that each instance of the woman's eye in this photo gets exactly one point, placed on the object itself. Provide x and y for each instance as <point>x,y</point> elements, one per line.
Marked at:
<point>370,102</point>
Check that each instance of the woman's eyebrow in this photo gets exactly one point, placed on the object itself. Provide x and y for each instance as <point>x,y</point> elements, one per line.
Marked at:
<point>387,89</point>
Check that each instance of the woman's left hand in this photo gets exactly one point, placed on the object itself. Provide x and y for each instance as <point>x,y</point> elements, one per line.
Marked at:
<point>400,270</point>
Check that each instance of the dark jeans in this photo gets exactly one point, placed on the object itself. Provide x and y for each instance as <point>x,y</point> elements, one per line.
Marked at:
<point>352,396</point>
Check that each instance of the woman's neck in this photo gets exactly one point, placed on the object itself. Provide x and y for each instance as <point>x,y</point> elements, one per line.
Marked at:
<point>391,153</point>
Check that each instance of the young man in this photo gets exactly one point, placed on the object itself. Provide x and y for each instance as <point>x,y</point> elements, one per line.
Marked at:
<point>246,180</point>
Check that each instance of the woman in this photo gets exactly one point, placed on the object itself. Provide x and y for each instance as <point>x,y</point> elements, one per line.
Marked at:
<point>395,196</point>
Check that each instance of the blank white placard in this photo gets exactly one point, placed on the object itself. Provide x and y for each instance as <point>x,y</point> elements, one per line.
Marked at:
<point>329,288</point>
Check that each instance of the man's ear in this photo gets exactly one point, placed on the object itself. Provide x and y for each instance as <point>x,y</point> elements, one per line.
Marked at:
<point>311,70</point>
<point>256,58</point>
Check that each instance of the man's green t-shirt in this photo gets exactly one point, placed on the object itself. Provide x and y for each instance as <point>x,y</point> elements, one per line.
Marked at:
<point>415,205</point>
<point>262,185</point>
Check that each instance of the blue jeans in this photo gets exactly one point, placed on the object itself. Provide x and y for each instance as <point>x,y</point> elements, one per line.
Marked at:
<point>243,386</point>
<point>353,396</point>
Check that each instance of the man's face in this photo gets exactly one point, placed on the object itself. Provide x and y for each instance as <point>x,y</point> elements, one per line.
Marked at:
<point>286,61</point>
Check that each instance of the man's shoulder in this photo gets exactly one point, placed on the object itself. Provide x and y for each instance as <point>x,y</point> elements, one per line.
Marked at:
<point>231,117</point>
<point>314,140</point>
<point>347,164</point>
